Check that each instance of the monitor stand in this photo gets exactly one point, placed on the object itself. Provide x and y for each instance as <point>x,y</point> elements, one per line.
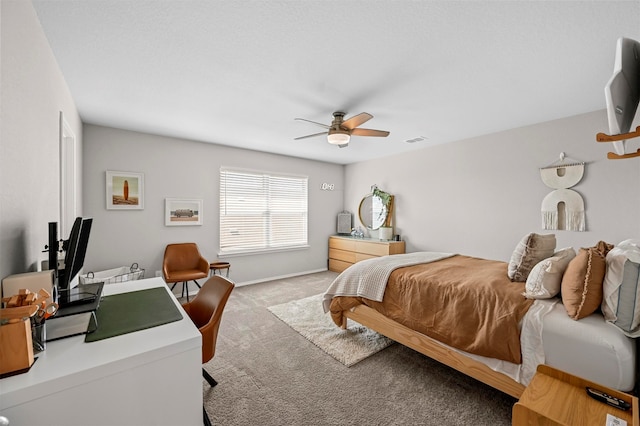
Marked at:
<point>77,307</point>
<point>82,298</point>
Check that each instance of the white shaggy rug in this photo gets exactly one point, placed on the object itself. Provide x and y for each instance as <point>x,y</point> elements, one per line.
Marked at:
<point>348,346</point>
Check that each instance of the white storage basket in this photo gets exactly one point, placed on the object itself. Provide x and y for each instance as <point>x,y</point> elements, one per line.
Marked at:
<point>116,275</point>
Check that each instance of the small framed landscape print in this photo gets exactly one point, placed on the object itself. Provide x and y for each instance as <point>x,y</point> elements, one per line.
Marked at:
<point>182,211</point>
<point>125,191</point>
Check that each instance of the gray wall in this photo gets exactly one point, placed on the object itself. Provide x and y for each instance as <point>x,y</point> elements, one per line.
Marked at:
<point>33,95</point>
<point>476,196</point>
<point>481,195</point>
<point>177,168</point>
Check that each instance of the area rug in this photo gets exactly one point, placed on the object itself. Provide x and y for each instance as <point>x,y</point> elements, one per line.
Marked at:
<point>348,346</point>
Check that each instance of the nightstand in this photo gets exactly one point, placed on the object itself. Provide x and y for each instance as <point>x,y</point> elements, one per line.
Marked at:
<point>557,398</point>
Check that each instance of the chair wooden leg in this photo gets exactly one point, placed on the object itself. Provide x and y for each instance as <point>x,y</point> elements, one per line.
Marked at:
<point>208,378</point>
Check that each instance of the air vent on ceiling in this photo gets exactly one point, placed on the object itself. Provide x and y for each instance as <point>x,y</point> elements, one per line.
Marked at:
<point>418,139</point>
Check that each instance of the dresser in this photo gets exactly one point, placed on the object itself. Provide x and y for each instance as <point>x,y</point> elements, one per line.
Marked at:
<point>345,251</point>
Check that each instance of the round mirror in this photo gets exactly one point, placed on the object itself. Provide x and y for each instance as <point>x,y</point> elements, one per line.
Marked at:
<point>372,211</point>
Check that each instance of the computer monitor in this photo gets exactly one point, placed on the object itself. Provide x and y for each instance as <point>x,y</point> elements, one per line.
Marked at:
<point>75,249</point>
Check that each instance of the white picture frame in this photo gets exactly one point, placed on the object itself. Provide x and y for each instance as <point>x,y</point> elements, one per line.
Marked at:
<point>124,190</point>
<point>182,211</point>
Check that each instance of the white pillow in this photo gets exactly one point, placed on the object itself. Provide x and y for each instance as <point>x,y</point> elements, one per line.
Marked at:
<point>545,278</point>
<point>621,288</point>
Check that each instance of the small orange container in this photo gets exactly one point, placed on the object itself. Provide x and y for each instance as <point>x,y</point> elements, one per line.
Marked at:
<point>16,346</point>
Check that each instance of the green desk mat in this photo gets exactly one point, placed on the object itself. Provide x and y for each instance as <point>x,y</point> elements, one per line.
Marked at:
<point>128,312</point>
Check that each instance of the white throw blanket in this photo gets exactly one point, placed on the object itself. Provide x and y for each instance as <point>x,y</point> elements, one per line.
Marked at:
<point>368,278</point>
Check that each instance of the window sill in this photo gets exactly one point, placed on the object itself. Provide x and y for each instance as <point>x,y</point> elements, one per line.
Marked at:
<point>251,252</point>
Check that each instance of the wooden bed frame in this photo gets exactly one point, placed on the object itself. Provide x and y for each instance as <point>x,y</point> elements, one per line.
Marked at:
<point>433,349</point>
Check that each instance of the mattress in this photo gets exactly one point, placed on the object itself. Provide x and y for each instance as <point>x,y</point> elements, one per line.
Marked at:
<point>589,348</point>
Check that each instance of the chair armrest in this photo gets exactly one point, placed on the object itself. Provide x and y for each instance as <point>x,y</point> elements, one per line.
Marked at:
<point>209,333</point>
<point>203,265</point>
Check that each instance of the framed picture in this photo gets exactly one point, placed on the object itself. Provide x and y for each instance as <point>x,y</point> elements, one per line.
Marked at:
<point>125,191</point>
<point>182,212</point>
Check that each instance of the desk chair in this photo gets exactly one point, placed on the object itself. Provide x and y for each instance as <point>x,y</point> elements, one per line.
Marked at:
<point>205,310</point>
<point>183,263</point>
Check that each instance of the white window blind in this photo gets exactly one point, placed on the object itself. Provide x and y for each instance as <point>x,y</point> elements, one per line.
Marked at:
<point>262,211</point>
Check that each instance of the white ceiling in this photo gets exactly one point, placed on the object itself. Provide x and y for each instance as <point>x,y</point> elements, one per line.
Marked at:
<point>237,72</point>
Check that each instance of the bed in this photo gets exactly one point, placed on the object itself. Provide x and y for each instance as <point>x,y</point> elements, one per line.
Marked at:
<point>496,334</point>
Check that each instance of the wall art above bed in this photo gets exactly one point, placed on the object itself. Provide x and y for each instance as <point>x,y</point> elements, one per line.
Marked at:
<point>563,208</point>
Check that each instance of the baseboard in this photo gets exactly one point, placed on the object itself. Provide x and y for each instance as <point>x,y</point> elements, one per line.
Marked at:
<point>178,290</point>
<point>280,277</point>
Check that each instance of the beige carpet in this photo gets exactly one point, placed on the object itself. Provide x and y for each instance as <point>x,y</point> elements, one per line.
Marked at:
<point>349,346</point>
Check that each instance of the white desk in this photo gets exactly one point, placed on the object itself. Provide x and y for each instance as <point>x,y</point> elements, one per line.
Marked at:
<point>149,377</point>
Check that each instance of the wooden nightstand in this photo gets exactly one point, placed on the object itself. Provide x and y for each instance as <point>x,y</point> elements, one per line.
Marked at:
<point>557,398</point>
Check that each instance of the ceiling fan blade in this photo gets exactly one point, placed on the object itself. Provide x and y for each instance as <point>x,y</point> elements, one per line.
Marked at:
<point>310,136</point>
<point>357,120</point>
<point>316,123</point>
<point>369,132</point>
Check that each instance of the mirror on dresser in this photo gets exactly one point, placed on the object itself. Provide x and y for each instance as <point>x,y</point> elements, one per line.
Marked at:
<point>376,210</point>
<point>372,211</point>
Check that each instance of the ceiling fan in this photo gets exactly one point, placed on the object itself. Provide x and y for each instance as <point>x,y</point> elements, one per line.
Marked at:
<point>340,131</point>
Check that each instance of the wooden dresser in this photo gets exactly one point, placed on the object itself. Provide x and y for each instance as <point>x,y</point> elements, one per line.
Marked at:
<point>345,251</point>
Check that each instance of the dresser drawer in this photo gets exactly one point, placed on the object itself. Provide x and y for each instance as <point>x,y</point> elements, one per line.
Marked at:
<point>363,256</point>
<point>346,256</point>
<point>396,247</point>
<point>338,265</point>
<point>342,244</point>
<point>375,249</point>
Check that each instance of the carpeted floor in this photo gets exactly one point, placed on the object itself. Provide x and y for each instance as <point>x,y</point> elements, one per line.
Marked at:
<point>268,374</point>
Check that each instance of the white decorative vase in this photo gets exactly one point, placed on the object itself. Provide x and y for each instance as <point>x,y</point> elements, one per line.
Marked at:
<point>385,233</point>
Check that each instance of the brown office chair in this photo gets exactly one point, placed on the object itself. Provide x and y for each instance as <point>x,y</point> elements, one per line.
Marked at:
<point>205,310</point>
<point>183,263</point>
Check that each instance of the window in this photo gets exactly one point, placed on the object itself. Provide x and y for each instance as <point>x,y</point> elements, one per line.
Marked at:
<point>262,211</point>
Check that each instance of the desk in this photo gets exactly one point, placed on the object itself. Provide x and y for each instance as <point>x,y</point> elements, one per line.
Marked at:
<point>149,377</point>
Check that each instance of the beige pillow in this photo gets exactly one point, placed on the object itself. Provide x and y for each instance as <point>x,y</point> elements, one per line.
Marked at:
<point>581,286</point>
<point>545,278</point>
<point>529,251</point>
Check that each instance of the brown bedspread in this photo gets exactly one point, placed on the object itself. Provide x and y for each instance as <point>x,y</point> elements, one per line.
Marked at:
<point>465,302</point>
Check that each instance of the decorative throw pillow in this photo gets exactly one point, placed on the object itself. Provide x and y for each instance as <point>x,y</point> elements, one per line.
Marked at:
<point>529,251</point>
<point>621,288</point>
<point>545,278</point>
<point>581,286</point>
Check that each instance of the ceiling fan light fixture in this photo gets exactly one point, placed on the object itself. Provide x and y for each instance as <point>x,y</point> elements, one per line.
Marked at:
<point>338,138</point>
